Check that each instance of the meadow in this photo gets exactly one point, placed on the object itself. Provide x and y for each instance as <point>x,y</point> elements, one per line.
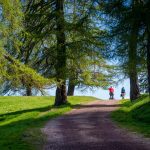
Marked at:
<point>22,117</point>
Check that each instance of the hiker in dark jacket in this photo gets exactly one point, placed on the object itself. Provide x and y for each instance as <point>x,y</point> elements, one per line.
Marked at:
<point>123,92</point>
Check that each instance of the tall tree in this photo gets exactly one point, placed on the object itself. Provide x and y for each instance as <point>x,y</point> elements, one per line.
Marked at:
<point>125,27</point>
<point>146,16</point>
<point>148,60</point>
<point>84,46</point>
<point>61,95</point>
<point>134,88</point>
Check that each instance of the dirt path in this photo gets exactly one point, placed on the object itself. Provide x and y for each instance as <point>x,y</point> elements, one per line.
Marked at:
<point>90,128</point>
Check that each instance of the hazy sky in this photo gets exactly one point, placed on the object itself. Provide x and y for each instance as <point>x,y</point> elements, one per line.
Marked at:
<point>100,93</point>
<point>104,94</point>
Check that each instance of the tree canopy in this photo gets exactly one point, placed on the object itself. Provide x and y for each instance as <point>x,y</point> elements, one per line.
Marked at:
<point>68,43</point>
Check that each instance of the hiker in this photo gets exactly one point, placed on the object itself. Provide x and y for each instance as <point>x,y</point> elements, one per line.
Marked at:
<point>123,92</point>
<point>111,92</point>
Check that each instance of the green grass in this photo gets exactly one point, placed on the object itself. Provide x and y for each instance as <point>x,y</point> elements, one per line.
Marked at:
<point>22,117</point>
<point>134,116</point>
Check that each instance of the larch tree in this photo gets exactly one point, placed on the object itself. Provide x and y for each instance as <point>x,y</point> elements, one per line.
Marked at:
<point>61,94</point>
<point>85,63</point>
<point>125,24</point>
<point>12,70</point>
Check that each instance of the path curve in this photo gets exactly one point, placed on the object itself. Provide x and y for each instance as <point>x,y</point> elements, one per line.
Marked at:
<point>90,128</point>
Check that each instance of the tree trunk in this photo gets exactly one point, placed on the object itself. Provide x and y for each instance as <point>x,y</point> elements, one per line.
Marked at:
<point>28,91</point>
<point>71,88</point>
<point>148,61</point>
<point>134,87</point>
<point>61,95</point>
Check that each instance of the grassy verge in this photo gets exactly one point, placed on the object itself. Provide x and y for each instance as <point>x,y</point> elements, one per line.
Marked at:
<point>21,118</point>
<point>134,116</point>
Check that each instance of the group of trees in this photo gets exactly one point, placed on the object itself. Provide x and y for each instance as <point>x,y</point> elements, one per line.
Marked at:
<point>61,42</point>
<point>51,42</point>
<point>129,26</point>
<point>14,74</point>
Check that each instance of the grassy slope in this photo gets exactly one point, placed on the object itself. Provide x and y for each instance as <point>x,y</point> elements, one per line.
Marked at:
<point>18,115</point>
<point>135,116</point>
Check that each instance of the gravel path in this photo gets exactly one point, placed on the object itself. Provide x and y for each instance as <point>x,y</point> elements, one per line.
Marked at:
<point>90,128</point>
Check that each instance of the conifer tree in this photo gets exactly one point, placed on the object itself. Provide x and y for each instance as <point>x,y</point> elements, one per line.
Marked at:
<point>13,71</point>
<point>125,29</point>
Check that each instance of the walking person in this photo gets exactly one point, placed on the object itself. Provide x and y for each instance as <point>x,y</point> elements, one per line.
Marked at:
<point>123,92</point>
<point>111,92</point>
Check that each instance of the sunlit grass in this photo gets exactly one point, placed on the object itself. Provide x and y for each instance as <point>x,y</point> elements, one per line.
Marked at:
<point>22,117</point>
<point>135,116</point>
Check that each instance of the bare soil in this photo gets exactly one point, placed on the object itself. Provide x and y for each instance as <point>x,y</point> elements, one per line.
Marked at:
<point>89,127</point>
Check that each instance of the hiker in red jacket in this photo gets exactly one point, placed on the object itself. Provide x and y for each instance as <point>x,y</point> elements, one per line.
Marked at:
<point>111,92</point>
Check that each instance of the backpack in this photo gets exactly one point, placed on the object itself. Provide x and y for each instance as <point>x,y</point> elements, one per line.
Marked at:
<point>123,90</point>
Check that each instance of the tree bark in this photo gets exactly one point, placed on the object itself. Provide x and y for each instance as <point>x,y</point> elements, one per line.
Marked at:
<point>148,61</point>
<point>28,91</point>
<point>134,87</point>
<point>71,88</point>
<point>61,95</point>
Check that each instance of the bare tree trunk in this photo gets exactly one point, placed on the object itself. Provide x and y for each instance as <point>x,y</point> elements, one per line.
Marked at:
<point>134,87</point>
<point>61,95</point>
<point>71,88</point>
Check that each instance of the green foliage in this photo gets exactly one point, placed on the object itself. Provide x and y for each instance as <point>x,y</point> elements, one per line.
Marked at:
<point>128,24</point>
<point>135,116</point>
<point>12,70</point>
<point>21,75</point>
<point>11,22</point>
<point>32,39</point>
<point>22,117</point>
<point>89,70</point>
<point>38,48</point>
<point>85,64</point>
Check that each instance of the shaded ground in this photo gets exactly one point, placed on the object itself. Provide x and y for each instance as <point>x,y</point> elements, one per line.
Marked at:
<point>90,128</point>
